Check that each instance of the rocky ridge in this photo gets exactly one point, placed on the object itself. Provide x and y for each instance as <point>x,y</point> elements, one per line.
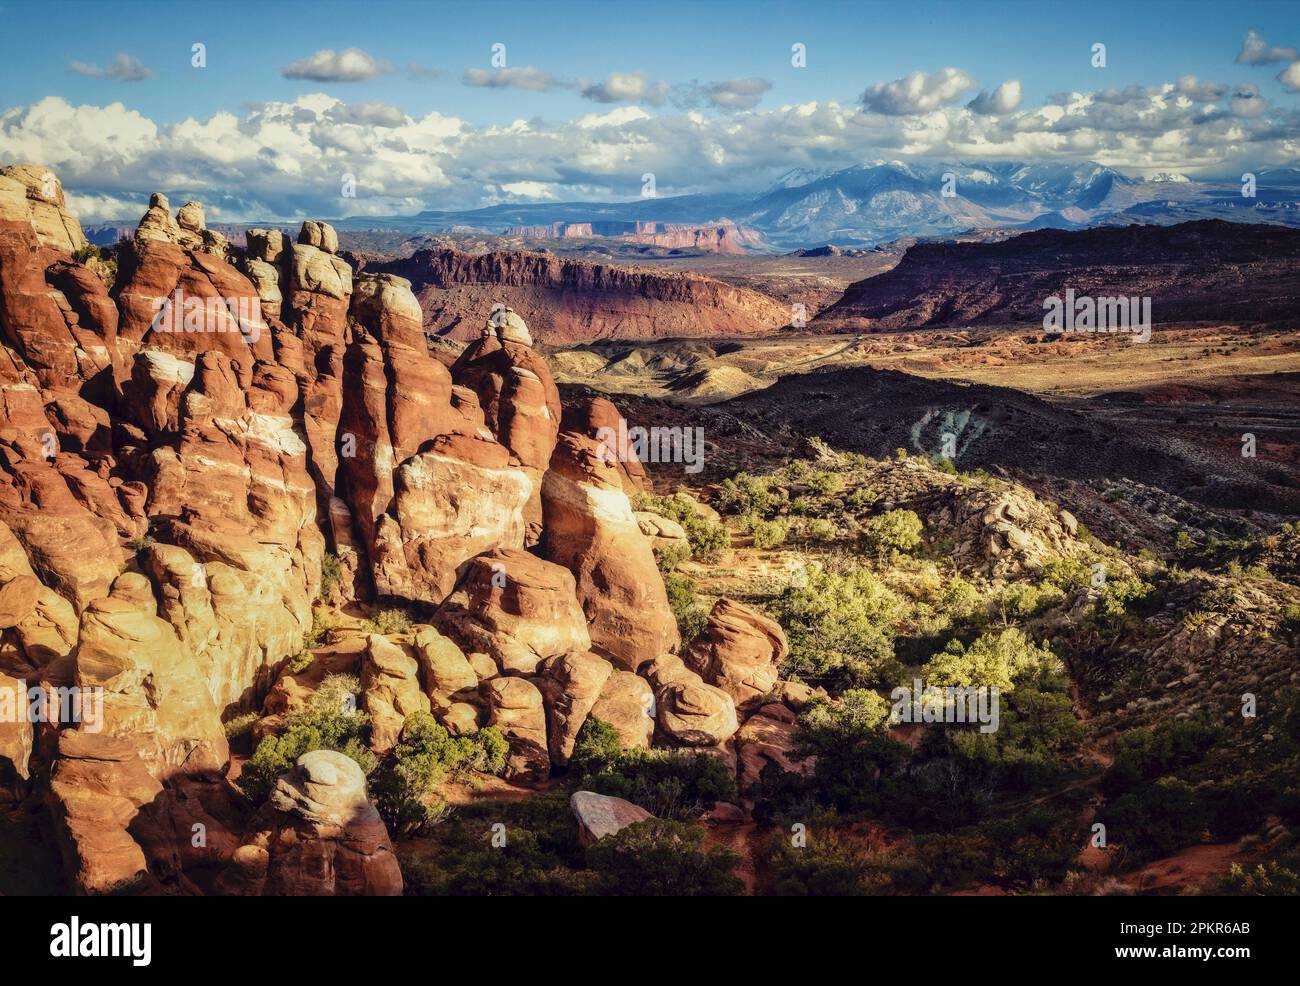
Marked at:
<point>180,453</point>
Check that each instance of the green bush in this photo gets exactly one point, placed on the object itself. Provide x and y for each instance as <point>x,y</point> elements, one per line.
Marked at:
<point>831,863</point>
<point>746,494</point>
<point>895,532</point>
<point>666,783</point>
<point>1143,754</point>
<point>840,628</point>
<point>993,661</point>
<point>388,621</point>
<point>850,741</point>
<point>663,858</point>
<point>769,533</point>
<point>330,573</point>
<point>423,758</point>
<point>1030,850</point>
<point>1154,820</point>
<point>527,848</point>
<point>690,615</point>
<point>707,538</point>
<point>1268,879</point>
<point>331,721</point>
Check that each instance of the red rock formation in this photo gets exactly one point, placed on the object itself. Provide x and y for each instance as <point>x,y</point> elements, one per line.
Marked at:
<point>739,651</point>
<point>589,528</point>
<point>318,835</point>
<point>166,498</point>
<point>571,300</point>
<point>520,402</point>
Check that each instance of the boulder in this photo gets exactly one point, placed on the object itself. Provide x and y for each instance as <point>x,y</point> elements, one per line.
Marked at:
<point>390,687</point>
<point>446,670</point>
<point>518,711</point>
<point>688,711</point>
<point>739,651</point>
<point>627,703</point>
<point>515,607</point>
<point>571,684</point>
<point>600,815</point>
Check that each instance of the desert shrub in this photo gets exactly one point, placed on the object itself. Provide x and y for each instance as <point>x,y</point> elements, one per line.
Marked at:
<point>769,533</point>
<point>1029,850</point>
<point>895,532</point>
<point>596,749</point>
<point>1289,624</point>
<point>1154,820</point>
<point>840,628</point>
<point>1143,754</point>
<point>690,615</point>
<point>331,721</point>
<point>861,499</point>
<point>424,757</point>
<point>832,863</point>
<point>536,853</point>
<point>707,538</point>
<point>663,858</point>
<point>823,482</point>
<point>666,783</point>
<point>84,253</point>
<point>1022,601</point>
<point>746,494</point>
<point>300,662</point>
<point>941,794</point>
<point>1116,598</point>
<point>1271,878</point>
<point>322,622</point>
<point>1070,575</point>
<point>820,530</point>
<point>1234,809</point>
<point>852,747</point>
<point>669,557</point>
<point>240,725</point>
<point>1037,731</point>
<point>387,621</point>
<point>330,572</point>
<point>993,661</point>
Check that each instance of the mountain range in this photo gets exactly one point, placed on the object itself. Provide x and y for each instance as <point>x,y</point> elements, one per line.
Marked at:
<point>874,203</point>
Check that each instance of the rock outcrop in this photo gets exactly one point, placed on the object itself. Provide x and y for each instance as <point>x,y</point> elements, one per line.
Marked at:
<point>688,711</point>
<point>569,300</point>
<point>199,443</point>
<point>318,835</point>
<point>590,529</point>
<point>739,651</point>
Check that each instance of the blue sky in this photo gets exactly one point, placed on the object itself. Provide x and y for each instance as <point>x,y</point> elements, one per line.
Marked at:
<point>1042,46</point>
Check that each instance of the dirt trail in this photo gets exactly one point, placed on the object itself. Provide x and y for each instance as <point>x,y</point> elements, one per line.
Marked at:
<point>739,839</point>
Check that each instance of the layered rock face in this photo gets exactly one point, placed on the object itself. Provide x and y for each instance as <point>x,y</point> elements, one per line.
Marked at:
<point>570,300</point>
<point>409,452</point>
<point>178,452</point>
<point>1208,270</point>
